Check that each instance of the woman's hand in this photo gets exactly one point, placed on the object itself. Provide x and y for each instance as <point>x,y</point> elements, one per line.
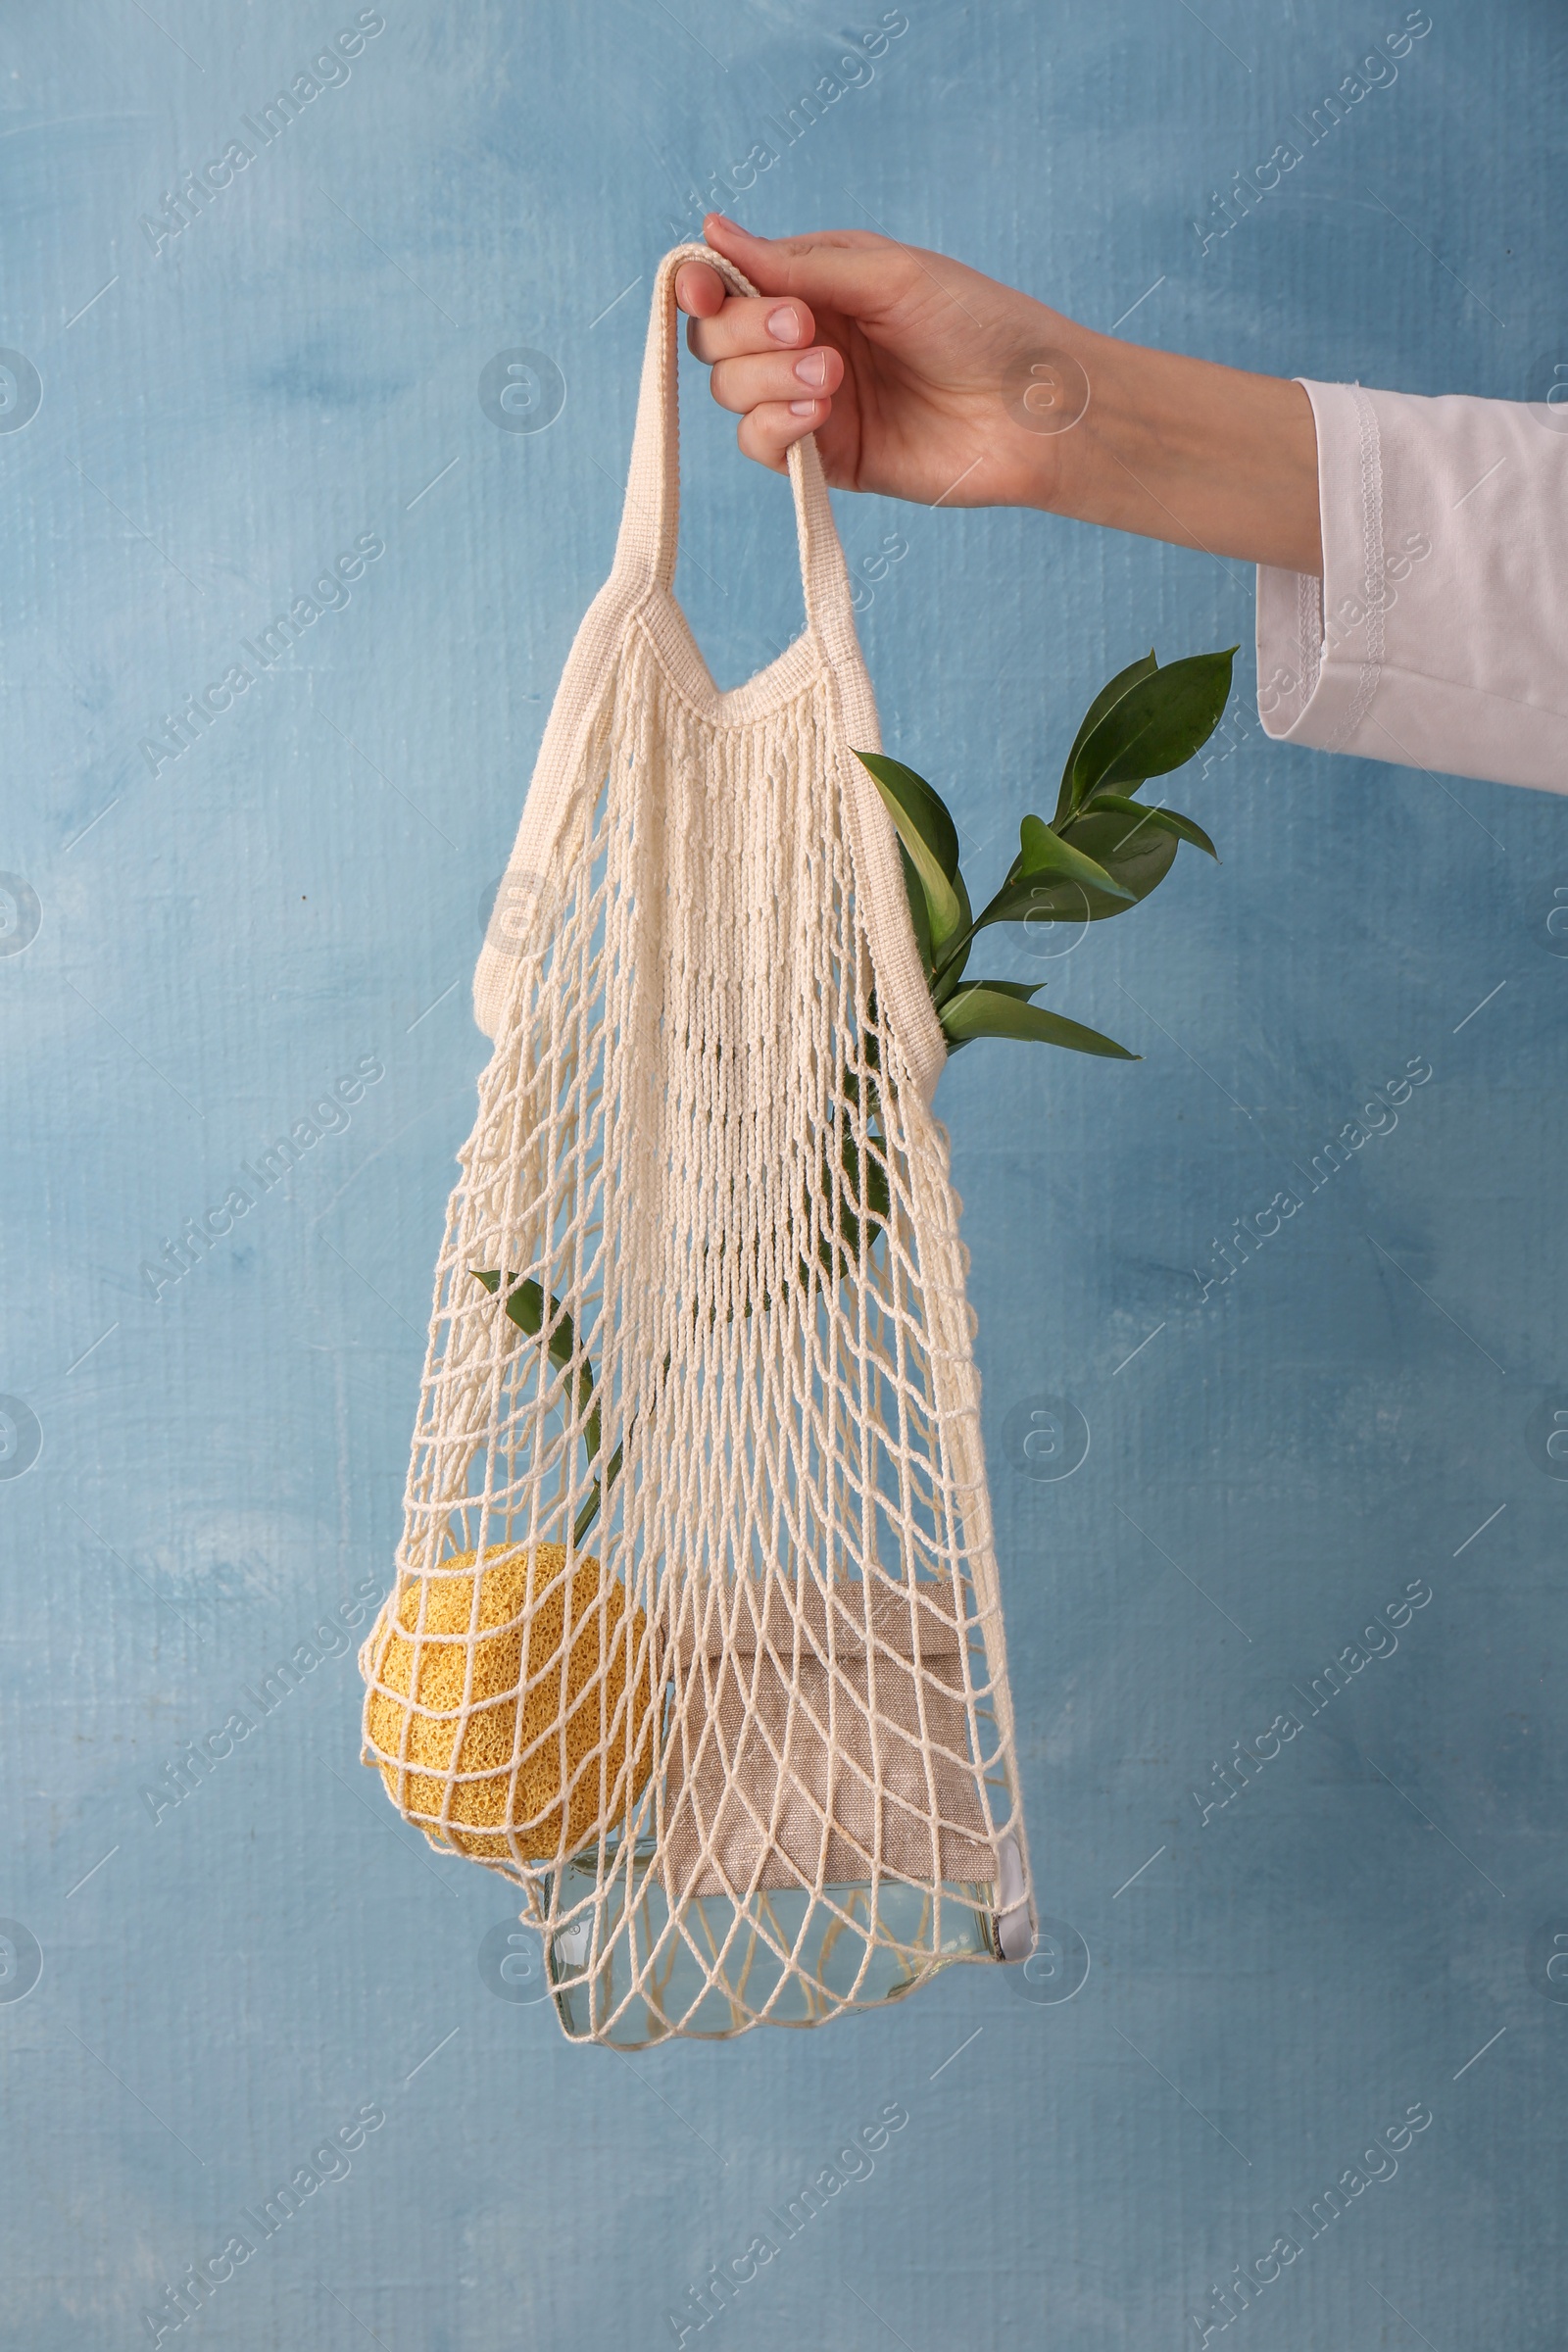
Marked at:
<point>892,357</point>
<point>925,380</point>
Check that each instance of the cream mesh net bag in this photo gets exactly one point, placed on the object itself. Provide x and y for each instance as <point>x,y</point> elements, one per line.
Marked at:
<point>696,1634</point>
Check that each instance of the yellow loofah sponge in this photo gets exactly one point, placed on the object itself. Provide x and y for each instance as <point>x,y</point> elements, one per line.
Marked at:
<point>519,1669</point>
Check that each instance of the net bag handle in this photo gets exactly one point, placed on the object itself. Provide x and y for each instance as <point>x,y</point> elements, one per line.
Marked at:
<point>642,573</point>
<point>650,526</point>
<point>644,567</point>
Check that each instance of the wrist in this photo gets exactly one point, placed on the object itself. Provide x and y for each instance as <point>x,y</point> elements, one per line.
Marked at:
<point>1046,392</point>
<point>1182,450</point>
<point>1107,463</point>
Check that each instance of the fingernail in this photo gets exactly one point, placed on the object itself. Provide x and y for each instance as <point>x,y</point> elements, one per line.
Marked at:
<point>812,368</point>
<point>724,222</point>
<point>784,325</point>
<point>803,408</point>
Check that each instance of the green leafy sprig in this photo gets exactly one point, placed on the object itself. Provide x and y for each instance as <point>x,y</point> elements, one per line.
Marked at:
<point>1101,853</point>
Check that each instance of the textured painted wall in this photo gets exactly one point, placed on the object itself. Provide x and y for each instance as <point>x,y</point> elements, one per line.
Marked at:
<point>197,946</point>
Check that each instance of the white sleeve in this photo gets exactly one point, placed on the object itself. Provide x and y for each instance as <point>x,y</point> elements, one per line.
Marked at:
<point>1438,636</point>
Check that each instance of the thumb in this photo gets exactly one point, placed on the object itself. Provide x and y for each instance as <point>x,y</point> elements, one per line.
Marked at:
<point>845,269</point>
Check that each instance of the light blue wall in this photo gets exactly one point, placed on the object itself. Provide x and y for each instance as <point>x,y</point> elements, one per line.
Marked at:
<point>302,890</point>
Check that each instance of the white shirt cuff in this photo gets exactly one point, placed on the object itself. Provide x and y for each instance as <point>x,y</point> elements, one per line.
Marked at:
<point>1438,636</point>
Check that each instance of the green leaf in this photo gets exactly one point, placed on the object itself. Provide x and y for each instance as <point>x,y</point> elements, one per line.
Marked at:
<point>949,961</point>
<point>1044,897</point>
<point>1050,879</point>
<point>1166,819</point>
<point>955,950</point>
<point>920,911</point>
<point>1157,725</point>
<point>864,1194</point>
<point>946,908</point>
<point>1053,897</point>
<point>1109,694</point>
<point>924,804</point>
<point>865,1187</point>
<point>1044,852</point>
<point>1139,855</point>
<point>983,1010</point>
<point>602,1485</point>
<point>594,1498</point>
<point>525,1305</point>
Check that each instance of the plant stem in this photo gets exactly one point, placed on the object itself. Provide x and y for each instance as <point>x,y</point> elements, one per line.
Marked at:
<point>939,971</point>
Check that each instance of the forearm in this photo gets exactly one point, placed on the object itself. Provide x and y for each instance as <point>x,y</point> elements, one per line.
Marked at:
<point>1182,450</point>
